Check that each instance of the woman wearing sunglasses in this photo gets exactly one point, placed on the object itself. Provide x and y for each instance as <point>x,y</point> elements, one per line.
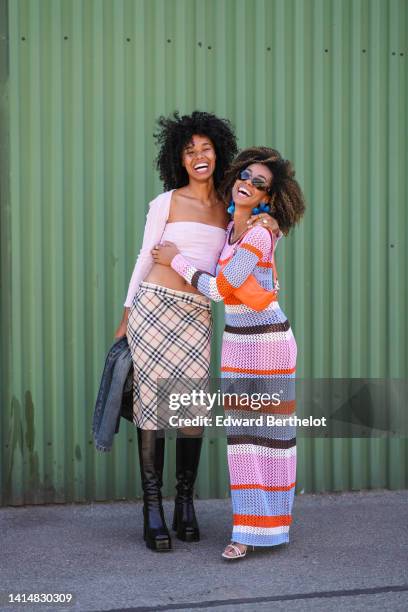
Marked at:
<point>167,321</point>
<point>258,343</point>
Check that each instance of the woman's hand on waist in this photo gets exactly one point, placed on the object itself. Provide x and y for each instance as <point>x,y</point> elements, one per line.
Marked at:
<point>164,253</point>
<point>164,276</point>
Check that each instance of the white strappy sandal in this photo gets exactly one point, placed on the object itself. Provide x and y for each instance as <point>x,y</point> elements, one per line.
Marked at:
<point>238,553</point>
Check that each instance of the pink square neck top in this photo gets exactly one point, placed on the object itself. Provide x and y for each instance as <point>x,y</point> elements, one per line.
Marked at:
<point>198,242</point>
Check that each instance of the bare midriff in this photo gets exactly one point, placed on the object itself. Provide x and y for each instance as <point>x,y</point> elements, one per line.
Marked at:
<point>167,277</point>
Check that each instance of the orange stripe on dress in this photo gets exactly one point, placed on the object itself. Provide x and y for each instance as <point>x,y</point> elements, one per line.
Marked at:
<point>252,249</point>
<point>249,520</point>
<point>262,487</point>
<point>254,371</point>
<point>223,285</point>
<point>231,300</point>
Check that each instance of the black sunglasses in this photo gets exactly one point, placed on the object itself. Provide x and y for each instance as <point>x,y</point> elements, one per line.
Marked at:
<point>257,181</point>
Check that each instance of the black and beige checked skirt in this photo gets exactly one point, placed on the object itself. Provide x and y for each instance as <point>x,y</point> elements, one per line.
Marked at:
<point>169,335</point>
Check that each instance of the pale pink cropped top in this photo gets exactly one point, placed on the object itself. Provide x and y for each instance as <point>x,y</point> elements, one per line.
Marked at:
<point>198,242</point>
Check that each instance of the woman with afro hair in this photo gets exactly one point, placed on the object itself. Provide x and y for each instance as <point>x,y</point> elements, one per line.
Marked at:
<point>258,350</point>
<point>167,321</point>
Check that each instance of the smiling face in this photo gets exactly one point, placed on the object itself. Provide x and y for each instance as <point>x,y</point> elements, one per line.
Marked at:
<point>244,193</point>
<point>198,158</point>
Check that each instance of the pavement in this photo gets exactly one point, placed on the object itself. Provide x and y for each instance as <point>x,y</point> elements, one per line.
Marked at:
<point>348,551</point>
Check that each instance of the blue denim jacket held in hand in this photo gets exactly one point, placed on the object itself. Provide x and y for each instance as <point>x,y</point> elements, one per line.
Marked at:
<point>115,396</point>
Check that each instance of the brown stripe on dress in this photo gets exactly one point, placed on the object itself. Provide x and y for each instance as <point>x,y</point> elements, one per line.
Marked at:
<point>259,441</point>
<point>259,329</point>
<point>284,408</point>
<point>195,277</point>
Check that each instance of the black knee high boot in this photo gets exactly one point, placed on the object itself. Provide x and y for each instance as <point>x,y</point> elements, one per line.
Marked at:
<point>187,458</point>
<point>151,458</point>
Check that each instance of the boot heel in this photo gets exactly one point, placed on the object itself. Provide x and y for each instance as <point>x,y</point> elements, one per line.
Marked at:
<point>162,545</point>
<point>189,535</point>
<point>158,545</point>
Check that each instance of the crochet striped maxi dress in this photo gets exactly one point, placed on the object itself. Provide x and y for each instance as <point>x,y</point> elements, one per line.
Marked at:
<point>258,353</point>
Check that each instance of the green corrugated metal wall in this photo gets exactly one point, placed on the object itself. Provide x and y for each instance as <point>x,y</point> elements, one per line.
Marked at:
<point>324,81</point>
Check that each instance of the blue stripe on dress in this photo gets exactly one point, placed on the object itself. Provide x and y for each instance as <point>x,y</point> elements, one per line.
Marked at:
<point>257,501</point>
<point>262,318</point>
<point>252,539</point>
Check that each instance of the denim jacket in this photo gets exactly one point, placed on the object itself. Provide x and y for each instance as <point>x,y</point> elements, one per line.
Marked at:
<point>115,396</point>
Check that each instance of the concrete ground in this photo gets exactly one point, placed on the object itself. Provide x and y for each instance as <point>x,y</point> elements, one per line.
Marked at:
<point>348,552</point>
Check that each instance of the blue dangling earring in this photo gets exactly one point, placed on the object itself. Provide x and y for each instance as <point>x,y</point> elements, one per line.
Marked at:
<point>263,207</point>
<point>231,207</point>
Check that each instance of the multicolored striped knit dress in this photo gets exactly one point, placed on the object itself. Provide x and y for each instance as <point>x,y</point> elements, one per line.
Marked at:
<point>258,353</point>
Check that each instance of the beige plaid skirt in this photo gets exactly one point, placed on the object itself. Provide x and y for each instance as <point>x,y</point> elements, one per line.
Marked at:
<point>169,335</point>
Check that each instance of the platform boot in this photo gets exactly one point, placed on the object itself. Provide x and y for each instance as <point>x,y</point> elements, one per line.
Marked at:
<point>185,524</point>
<point>151,458</point>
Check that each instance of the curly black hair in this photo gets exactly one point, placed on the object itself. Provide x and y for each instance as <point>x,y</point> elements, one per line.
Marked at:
<point>175,133</point>
<point>287,201</point>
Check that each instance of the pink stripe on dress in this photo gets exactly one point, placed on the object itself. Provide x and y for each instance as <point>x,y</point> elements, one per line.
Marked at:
<point>268,471</point>
<point>248,353</point>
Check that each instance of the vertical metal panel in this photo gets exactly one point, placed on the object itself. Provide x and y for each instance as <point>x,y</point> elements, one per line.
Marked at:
<point>5,251</point>
<point>323,81</point>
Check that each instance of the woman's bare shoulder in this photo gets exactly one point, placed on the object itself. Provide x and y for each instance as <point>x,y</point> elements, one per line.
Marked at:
<point>179,200</point>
